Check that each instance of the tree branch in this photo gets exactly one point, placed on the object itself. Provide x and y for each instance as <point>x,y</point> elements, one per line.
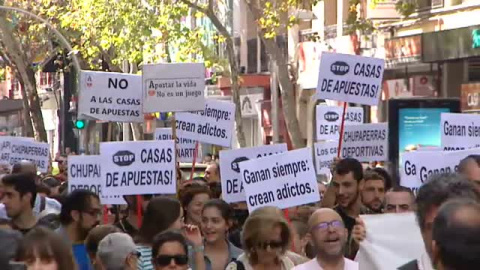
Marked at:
<point>195,6</point>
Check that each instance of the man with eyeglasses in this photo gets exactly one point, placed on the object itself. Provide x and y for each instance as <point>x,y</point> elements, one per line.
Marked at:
<point>329,236</point>
<point>81,212</point>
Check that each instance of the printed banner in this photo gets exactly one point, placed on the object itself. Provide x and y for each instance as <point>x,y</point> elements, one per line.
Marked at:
<point>350,78</point>
<point>213,125</point>
<point>16,149</point>
<point>135,168</point>
<point>329,120</point>
<point>232,185</point>
<point>460,131</point>
<point>325,152</point>
<point>173,87</point>
<point>84,172</point>
<point>110,96</point>
<point>185,147</point>
<point>417,166</point>
<point>387,248</point>
<point>282,180</point>
<point>366,142</point>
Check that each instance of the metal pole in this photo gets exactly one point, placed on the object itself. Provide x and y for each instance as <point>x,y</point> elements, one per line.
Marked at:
<point>274,101</point>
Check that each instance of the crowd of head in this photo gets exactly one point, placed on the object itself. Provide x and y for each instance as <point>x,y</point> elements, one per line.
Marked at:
<point>43,226</point>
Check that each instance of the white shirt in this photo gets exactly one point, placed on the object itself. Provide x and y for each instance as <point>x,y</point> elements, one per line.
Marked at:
<point>314,265</point>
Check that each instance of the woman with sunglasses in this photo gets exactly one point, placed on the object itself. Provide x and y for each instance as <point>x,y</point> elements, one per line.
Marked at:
<point>217,218</point>
<point>265,240</point>
<point>170,251</point>
<point>162,214</point>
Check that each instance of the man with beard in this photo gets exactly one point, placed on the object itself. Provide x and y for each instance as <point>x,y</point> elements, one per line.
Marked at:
<point>470,168</point>
<point>80,213</point>
<point>329,236</point>
<point>20,192</point>
<point>344,190</point>
<point>41,204</point>
<point>373,192</point>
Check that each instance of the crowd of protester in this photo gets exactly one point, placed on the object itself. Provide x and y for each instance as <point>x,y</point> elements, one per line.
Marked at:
<point>43,226</point>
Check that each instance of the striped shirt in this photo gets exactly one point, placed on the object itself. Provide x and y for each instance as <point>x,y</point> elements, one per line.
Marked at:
<point>145,260</point>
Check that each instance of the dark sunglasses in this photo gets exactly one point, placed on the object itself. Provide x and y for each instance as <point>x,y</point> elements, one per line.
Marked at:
<point>164,260</point>
<point>271,244</point>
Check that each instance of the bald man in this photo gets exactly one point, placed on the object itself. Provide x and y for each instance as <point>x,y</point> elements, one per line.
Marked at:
<point>456,235</point>
<point>329,236</point>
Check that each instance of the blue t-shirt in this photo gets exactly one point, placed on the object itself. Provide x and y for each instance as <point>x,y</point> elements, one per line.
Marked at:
<point>81,257</point>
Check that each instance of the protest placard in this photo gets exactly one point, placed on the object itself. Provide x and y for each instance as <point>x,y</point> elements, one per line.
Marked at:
<point>84,172</point>
<point>416,167</point>
<point>325,152</point>
<point>350,78</point>
<point>173,87</point>
<point>232,185</point>
<point>185,147</point>
<point>329,119</point>
<point>283,180</point>
<point>141,167</point>
<point>213,125</point>
<point>366,142</point>
<point>460,131</point>
<point>110,96</point>
<point>387,248</point>
<point>15,149</point>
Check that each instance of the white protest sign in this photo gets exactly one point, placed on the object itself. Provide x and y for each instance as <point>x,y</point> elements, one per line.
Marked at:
<point>366,142</point>
<point>282,180</point>
<point>185,147</point>
<point>417,166</point>
<point>350,78</point>
<point>232,186</point>
<point>329,120</point>
<point>110,96</point>
<point>250,104</point>
<point>84,172</point>
<point>135,168</point>
<point>213,125</point>
<point>392,240</point>
<point>173,87</point>
<point>5,146</point>
<point>15,149</point>
<point>460,131</point>
<point>325,152</point>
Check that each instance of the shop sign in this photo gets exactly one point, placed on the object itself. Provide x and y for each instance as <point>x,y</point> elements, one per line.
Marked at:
<point>470,99</point>
<point>403,50</point>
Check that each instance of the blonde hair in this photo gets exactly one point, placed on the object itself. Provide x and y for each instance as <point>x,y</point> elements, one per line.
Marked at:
<point>258,226</point>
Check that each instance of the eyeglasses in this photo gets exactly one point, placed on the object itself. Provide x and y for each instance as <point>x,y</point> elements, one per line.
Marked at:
<point>271,244</point>
<point>137,253</point>
<point>164,260</point>
<point>336,224</point>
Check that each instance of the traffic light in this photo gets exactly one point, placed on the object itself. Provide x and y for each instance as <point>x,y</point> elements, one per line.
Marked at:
<point>79,124</point>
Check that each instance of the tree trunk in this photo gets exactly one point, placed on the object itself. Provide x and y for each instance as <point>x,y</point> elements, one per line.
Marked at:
<point>26,106</point>
<point>233,65</point>
<point>27,74</point>
<point>286,85</point>
<point>234,75</point>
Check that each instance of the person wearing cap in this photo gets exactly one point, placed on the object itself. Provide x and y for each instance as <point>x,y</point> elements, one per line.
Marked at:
<point>117,251</point>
